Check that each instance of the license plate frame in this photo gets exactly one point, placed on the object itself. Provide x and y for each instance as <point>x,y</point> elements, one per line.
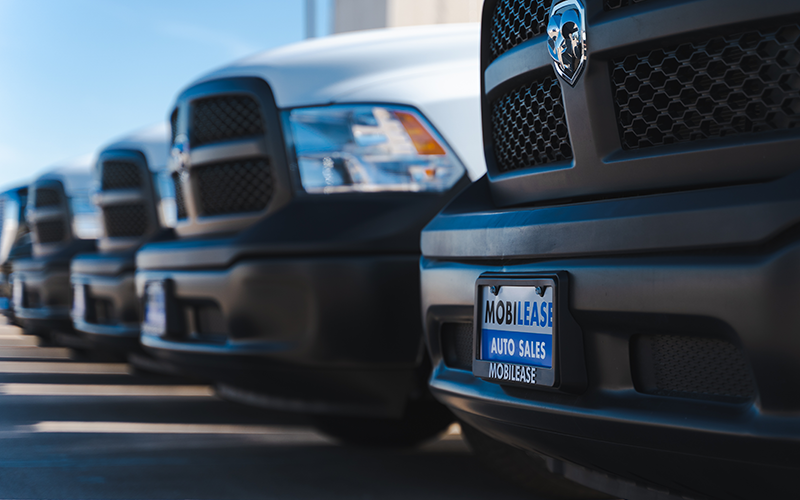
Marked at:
<point>528,371</point>
<point>79,296</point>
<point>17,294</point>
<point>155,321</point>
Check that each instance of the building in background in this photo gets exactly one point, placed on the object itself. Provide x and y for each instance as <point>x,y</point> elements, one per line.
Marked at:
<point>354,15</point>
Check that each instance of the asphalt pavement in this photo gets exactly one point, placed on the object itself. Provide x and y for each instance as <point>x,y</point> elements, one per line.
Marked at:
<point>72,429</point>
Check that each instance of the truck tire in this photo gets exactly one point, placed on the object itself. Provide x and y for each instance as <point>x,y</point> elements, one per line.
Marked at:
<point>421,421</point>
<point>527,471</point>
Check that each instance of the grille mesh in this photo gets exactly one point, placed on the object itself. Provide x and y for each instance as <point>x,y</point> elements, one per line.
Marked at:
<point>51,231</point>
<point>46,197</point>
<point>516,21</point>
<point>217,119</point>
<point>173,122</point>
<point>120,175</point>
<point>125,221</point>
<point>691,367</point>
<point>180,199</point>
<point>618,4</point>
<point>234,187</point>
<point>529,126</point>
<point>739,84</point>
<point>457,345</point>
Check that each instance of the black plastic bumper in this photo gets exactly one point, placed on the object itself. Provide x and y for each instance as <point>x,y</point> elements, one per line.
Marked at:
<point>112,311</point>
<point>333,335</point>
<point>46,295</point>
<point>741,295</point>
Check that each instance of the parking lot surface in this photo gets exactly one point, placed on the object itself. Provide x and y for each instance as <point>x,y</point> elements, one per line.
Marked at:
<point>83,429</point>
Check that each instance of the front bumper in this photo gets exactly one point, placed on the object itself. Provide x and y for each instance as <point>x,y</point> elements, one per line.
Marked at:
<point>316,334</point>
<point>693,441</point>
<point>110,319</point>
<point>44,301</point>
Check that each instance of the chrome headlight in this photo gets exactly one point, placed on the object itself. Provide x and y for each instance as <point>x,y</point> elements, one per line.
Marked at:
<point>370,148</point>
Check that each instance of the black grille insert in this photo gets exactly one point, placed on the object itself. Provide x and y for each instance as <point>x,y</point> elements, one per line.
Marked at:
<point>50,231</point>
<point>529,126</point>
<point>46,197</point>
<point>173,123</point>
<point>234,187</point>
<point>690,367</point>
<point>180,199</point>
<point>618,4</point>
<point>738,84</point>
<point>223,118</point>
<point>457,345</point>
<point>120,175</point>
<point>515,22</point>
<point>125,221</point>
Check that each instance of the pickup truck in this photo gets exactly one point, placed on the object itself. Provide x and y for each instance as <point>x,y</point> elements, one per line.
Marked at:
<point>303,177</point>
<point>63,222</point>
<point>130,194</point>
<point>618,296</point>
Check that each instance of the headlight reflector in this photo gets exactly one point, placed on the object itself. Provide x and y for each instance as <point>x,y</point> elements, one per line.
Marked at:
<point>370,148</point>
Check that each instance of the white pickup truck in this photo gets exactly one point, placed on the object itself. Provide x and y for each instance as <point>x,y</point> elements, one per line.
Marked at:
<point>303,177</point>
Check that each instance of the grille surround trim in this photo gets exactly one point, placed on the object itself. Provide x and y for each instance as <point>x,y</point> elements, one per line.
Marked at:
<point>601,168</point>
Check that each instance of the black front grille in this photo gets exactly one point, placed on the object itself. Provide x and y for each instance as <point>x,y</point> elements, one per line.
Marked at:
<point>618,4</point>
<point>120,175</point>
<point>234,187</point>
<point>180,199</point>
<point>731,85</point>
<point>529,126</point>
<point>51,231</point>
<point>217,119</point>
<point>456,341</point>
<point>516,21</point>
<point>690,367</point>
<point>46,197</point>
<point>173,122</point>
<point>125,221</point>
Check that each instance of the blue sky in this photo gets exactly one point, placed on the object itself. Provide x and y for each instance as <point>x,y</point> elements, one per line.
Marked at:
<point>75,74</point>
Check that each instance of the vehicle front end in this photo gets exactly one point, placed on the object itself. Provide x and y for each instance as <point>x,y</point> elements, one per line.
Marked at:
<point>617,294</point>
<point>63,223</point>
<point>294,282</point>
<point>131,198</point>
<point>15,242</point>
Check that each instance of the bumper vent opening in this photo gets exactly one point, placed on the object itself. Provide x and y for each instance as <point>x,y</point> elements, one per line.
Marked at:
<point>690,367</point>
<point>618,4</point>
<point>180,199</point>
<point>456,339</point>
<point>31,299</point>
<point>120,175</point>
<point>739,84</point>
<point>209,323</point>
<point>224,118</point>
<point>51,231</point>
<point>233,187</point>
<point>517,21</point>
<point>529,126</point>
<point>125,221</point>
<point>46,197</point>
<point>101,312</point>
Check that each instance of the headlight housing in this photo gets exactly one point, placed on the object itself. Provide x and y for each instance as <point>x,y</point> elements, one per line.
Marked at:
<point>370,148</point>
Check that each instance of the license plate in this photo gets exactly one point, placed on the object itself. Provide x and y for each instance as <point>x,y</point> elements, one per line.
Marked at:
<point>155,309</point>
<point>515,332</point>
<point>17,292</point>
<point>78,301</point>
